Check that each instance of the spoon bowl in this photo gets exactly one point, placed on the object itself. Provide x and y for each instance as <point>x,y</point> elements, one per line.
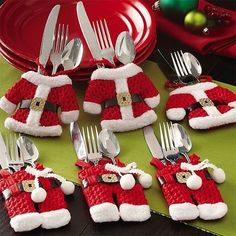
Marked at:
<point>193,64</point>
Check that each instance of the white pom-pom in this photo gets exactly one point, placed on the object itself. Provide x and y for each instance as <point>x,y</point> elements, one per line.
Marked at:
<point>67,187</point>
<point>127,181</point>
<point>145,180</point>
<point>218,175</point>
<point>194,182</point>
<point>38,195</point>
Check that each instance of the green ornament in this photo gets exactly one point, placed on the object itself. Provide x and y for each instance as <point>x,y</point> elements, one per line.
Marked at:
<point>177,9</point>
<point>195,21</point>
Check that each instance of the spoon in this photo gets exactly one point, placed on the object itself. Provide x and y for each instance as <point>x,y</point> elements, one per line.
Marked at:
<point>29,150</point>
<point>72,54</point>
<point>193,64</point>
<point>125,49</point>
<point>108,144</point>
<point>182,140</point>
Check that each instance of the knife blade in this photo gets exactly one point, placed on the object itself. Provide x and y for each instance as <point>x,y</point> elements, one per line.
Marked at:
<point>48,36</point>
<point>88,32</point>
<point>3,153</point>
<point>152,142</point>
<point>78,141</point>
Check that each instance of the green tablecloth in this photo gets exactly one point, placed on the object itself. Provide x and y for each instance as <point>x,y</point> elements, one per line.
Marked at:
<point>218,145</point>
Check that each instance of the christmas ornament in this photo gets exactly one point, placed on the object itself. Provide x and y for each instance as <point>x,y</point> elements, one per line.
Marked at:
<point>124,96</point>
<point>206,104</point>
<point>100,182</point>
<point>182,181</point>
<point>177,9</point>
<point>195,21</point>
<point>34,101</point>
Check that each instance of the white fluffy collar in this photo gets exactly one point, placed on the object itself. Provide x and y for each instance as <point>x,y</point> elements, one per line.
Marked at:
<point>50,81</point>
<point>125,71</point>
<point>191,88</point>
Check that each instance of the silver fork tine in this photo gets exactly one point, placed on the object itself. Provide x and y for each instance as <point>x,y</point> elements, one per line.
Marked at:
<point>85,140</point>
<point>66,36</point>
<point>100,36</point>
<point>104,34</point>
<point>175,65</point>
<point>170,136</point>
<point>162,138</point>
<point>58,38</point>
<point>178,63</point>
<point>96,34</point>
<point>182,63</point>
<point>94,142</point>
<point>61,43</point>
<point>108,34</point>
<point>182,55</point>
<point>166,137</point>
<point>90,150</point>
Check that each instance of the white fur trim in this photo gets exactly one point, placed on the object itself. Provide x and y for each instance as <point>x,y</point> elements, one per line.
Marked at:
<point>213,121</point>
<point>55,219</point>
<point>120,125</point>
<point>126,113</point>
<point>193,88</point>
<point>129,212</point>
<point>40,131</point>
<point>212,211</point>
<point>126,71</point>
<point>69,116</point>
<point>232,104</point>
<point>7,105</point>
<point>176,113</point>
<point>183,211</point>
<point>104,212</point>
<point>153,101</point>
<point>92,108</point>
<point>211,111</point>
<point>26,222</point>
<point>51,81</point>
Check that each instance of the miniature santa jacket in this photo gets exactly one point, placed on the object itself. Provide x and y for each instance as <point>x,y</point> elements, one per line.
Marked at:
<point>206,104</point>
<point>125,96</point>
<point>34,102</point>
<point>102,186</point>
<point>191,194</point>
<point>27,207</point>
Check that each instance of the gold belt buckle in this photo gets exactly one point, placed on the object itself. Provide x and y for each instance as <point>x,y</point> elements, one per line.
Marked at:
<point>109,178</point>
<point>124,99</point>
<point>206,102</point>
<point>37,104</point>
<point>182,177</point>
<point>28,185</point>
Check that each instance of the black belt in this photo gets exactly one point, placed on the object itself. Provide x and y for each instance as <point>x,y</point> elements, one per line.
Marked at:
<point>204,102</point>
<point>114,101</point>
<point>39,105</point>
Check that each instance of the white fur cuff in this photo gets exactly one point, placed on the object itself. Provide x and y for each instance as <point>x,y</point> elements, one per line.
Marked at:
<point>232,104</point>
<point>176,113</point>
<point>92,108</point>
<point>6,105</point>
<point>69,116</point>
<point>153,102</point>
<point>55,219</point>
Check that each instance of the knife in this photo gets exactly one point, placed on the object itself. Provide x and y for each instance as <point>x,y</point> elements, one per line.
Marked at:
<point>3,153</point>
<point>48,36</point>
<point>78,141</point>
<point>153,143</point>
<point>88,32</point>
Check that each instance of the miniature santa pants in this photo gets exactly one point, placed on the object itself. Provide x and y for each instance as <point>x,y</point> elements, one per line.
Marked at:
<point>23,214</point>
<point>185,203</point>
<point>103,194</point>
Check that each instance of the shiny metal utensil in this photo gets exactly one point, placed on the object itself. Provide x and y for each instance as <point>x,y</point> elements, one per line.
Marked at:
<point>78,141</point>
<point>103,36</point>
<point>170,150</point>
<point>72,54</point>
<point>60,41</point>
<point>88,32</point>
<point>108,144</point>
<point>125,49</point>
<point>90,136</point>
<point>192,64</point>
<point>47,38</point>
<point>153,144</point>
<point>183,73</point>
<point>3,153</point>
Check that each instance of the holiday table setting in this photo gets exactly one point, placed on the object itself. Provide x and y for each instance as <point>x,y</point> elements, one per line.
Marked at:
<point>82,101</point>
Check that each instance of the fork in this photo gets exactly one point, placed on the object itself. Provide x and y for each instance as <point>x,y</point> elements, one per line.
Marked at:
<point>90,136</point>
<point>103,36</point>
<point>169,147</point>
<point>15,158</point>
<point>183,73</point>
<point>60,41</point>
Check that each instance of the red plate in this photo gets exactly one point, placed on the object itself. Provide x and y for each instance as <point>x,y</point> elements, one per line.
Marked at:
<point>22,23</point>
